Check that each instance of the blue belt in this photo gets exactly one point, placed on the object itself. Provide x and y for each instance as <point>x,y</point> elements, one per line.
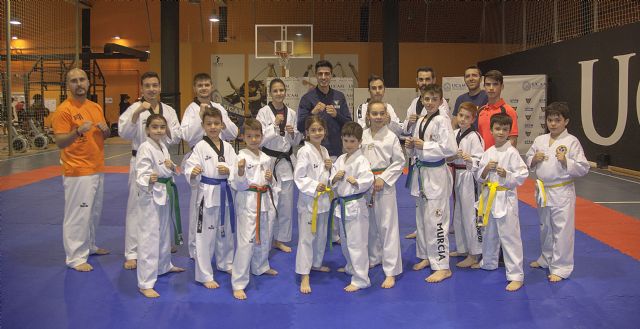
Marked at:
<point>341,200</point>
<point>224,194</point>
<point>421,164</point>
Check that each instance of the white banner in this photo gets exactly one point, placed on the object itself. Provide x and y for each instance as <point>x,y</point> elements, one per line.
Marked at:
<point>527,94</point>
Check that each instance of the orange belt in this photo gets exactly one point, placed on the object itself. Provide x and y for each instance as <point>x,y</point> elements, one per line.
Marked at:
<point>260,190</point>
<point>378,171</point>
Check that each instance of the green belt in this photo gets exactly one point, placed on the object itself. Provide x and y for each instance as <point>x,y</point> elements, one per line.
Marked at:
<point>172,190</point>
<point>340,201</point>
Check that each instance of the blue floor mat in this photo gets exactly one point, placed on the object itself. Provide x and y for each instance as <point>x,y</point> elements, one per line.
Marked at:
<point>38,291</point>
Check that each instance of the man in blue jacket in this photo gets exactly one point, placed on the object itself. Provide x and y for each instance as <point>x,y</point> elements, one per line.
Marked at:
<point>328,103</point>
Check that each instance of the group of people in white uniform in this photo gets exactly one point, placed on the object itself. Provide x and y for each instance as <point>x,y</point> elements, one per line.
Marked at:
<point>241,204</point>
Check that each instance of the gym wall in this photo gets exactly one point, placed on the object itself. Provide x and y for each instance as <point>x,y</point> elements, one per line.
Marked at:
<point>199,39</point>
<point>609,61</point>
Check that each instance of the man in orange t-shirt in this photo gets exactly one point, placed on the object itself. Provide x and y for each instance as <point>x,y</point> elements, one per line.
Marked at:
<point>80,130</point>
<point>493,84</point>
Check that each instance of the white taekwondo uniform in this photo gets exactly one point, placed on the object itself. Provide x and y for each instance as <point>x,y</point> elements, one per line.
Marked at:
<point>354,227</point>
<point>308,173</point>
<point>154,240</point>
<point>192,133</point>
<point>432,213</point>
<point>279,145</point>
<point>212,237</point>
<point>556,198</point>
<point>384,152</point>
<point>503,228</point>
<point>468,236</point>
<point>255,220</point>
<point>136,133</point>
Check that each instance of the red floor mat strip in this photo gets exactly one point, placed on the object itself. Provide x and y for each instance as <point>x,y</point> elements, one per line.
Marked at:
<point>617,230</point>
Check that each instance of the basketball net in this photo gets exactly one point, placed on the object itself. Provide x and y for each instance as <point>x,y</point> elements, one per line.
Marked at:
<point>283,58</point>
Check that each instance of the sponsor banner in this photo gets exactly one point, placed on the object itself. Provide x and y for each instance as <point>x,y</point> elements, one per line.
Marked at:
<point>527,94</point>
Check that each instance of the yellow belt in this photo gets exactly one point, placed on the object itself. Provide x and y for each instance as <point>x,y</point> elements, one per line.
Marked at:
<point>485,211</point>
<point>314,214</point>
<point>542,194</point>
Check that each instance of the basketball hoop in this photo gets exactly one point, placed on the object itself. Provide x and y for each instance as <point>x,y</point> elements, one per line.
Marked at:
<point>283,58</point>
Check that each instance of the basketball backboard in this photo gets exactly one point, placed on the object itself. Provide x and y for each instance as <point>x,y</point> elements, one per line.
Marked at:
<point>297,40</point>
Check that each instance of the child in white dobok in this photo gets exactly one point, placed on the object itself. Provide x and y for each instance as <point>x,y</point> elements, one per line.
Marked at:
<point>557,159</point>
<point>383,150</point>
<point>351,180</point>
<point>256,210</point>
<point>464,164</point>
<point>192,133</point>
<point>158,198</point>
<point>211,166</point>
<point>311,176</point>
<point>501,171</point>
<point>430,182</point>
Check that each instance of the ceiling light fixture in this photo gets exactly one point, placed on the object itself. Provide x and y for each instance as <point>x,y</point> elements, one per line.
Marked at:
<point>214,17</point>
<point>14,22</point>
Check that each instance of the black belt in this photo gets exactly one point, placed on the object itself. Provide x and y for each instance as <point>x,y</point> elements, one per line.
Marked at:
<point>279,156</point>
<point>134,152</point>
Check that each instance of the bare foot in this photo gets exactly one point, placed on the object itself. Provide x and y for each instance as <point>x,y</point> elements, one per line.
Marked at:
<point>389,282</point>
<point>514,285</point>
<point>271,272</point>
<point>239,294</point>
<point>281,246</point>
<point>174,249</point>
<point>351,288</point>
<point>101,251</point>
<point>422,264</point>
<point>373,265</point>
<point>130,264</point>
<point>226,271</point>
<point>438,276</point>
<point>338,241</point>
<point>468,262</point>
<point>211,285</point>
<point>84,267</point>
<point>341,269</point>
<point>305,287</point>
<point>535,264</point>
<point>411,235</point>
<point>150,293</point>
<point>554,278</point>
<point>321,269</point>
<point>457,254</point>
<point>475,266</point>
<point>176,269</point>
